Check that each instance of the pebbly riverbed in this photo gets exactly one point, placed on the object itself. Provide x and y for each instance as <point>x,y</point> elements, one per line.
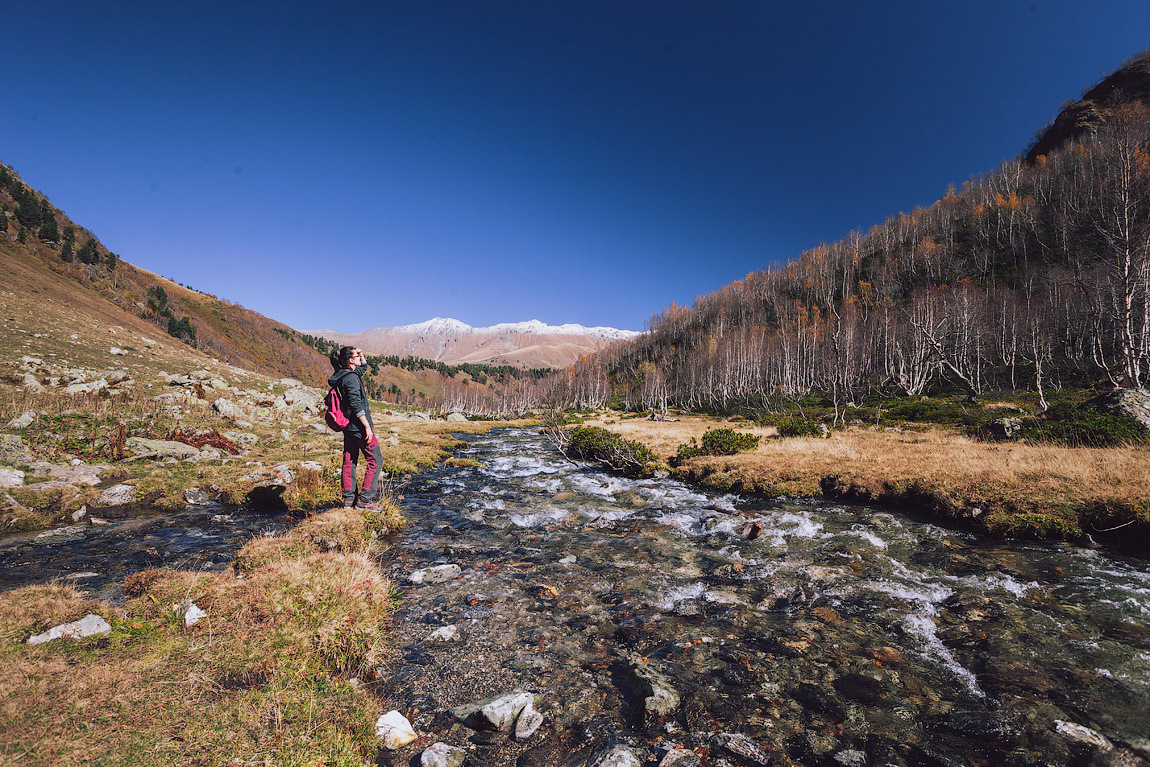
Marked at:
<point>820,634</point>
<point>765,632</point>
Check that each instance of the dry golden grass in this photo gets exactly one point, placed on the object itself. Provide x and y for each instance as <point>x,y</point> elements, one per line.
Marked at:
<point>1014,488</point>
<point>282,668</point>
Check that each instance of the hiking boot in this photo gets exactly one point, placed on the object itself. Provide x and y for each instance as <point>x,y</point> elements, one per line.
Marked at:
<point>371,506</point>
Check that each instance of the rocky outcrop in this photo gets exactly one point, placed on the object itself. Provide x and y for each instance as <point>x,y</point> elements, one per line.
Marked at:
<point>1134,403</point>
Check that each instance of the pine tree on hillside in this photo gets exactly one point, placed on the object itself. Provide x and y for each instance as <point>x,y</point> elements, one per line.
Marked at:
<point>88,253</point>
<point>49,231</point>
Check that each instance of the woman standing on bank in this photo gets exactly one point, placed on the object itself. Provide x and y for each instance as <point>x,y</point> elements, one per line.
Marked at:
<point>359,436</point>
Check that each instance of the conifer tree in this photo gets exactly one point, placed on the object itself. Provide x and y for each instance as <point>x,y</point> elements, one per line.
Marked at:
<point>88,253</point>
<point>49,232</point>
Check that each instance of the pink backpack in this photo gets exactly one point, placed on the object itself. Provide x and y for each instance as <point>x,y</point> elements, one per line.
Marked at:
<point>333,411</point>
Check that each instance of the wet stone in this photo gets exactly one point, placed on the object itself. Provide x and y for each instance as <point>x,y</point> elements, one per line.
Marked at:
<point>861,688</point>
<point>744,748</point>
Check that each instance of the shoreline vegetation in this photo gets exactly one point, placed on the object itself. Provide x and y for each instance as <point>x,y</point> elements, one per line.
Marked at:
<point>1000,489</point>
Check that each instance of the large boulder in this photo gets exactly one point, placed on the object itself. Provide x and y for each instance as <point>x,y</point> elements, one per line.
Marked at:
<point>303,398</point>
<point>1130,402</point>
<point>225,408</point>
<point>1002,428</point>
<point>118,495</point>
<point>160,448</point>
<point>11,477</point>
<point>13,450</point>
<point>23,421</point>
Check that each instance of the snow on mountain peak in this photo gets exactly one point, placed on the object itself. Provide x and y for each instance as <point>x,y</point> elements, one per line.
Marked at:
<point>448,326</point>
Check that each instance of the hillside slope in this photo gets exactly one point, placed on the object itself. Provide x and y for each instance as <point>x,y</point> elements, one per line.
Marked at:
<point>1078,119</point>
<point>46,254</point>
<point>1032,279</point>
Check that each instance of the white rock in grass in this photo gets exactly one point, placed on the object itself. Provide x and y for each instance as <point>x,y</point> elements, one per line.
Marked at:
<point>88,625</point>
<point>394,730</point>
<point>191,612</point>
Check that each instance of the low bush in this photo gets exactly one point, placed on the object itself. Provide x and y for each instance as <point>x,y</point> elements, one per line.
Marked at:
<point>717,442</point>
<point>1069,424</point>
<point>934,411</point>
<point>801,427</point>
<point>594,443</point>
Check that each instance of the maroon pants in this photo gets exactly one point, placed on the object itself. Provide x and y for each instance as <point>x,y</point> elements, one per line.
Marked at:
<point>352,447</point>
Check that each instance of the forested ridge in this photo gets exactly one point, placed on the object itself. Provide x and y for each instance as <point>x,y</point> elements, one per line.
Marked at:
<point>1033,277</point>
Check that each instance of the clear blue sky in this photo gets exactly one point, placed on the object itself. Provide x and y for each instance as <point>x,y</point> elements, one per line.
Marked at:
<point>584,161</point>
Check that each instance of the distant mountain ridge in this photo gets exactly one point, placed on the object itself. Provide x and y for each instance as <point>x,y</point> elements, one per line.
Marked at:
<point>531,344</point>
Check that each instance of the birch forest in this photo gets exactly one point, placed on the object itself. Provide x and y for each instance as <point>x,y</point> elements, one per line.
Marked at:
<point>1033,277</point>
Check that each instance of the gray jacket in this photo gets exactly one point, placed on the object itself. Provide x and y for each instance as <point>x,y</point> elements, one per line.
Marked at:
<point>354,396</point>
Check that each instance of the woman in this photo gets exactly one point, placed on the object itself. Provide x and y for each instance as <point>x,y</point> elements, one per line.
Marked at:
<point>359,436</point>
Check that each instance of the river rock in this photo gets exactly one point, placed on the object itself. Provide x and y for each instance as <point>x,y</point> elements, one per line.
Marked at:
<point>1082,734</point>
<point>394,730</point>
<point>851,758</point>
<point>619,756</point>
<point>118,495</point>
<point>862,688</point>
<point>456,417</point>
<point>418,415</point>
<point>498,713</point>
<point>87,626</point>
<point>661,698</point>
<point>11,477</point>
<point>528,722</point>
<point>194,496</point>
<point>160,448</point>
<point>444,635</point>
<point>442,755</point>
<point>23,421</point>
<point>680,757</point>
<point>741,746</point>
<point>436,574</point>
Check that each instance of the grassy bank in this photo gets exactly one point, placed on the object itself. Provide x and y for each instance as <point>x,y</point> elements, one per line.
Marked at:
<point>1002,489</point>
<point>280,671</point>
<point>93,428</point>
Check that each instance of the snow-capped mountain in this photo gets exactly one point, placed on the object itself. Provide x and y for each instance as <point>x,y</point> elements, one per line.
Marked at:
<point>531,344</point>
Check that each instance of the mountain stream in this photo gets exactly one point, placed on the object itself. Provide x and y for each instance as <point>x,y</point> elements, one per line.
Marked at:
<point>820,634</point>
